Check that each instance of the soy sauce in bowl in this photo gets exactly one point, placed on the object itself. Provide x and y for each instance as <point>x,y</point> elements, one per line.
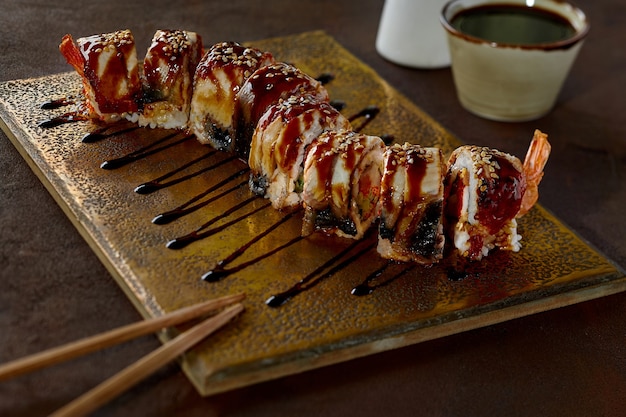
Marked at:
<point>513,24</point>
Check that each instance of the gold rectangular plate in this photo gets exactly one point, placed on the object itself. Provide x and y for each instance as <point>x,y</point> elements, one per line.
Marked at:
<point>324,323</point>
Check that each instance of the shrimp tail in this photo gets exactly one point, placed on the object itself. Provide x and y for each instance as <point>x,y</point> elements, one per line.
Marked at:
<point>534,163</point>
<point>72,54</point>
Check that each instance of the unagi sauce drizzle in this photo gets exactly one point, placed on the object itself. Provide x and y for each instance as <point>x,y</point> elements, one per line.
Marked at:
<point>186,208</point>
<point>313,278</point>
<point>144,152</point>
<point>325,78</point>
<point>220,272</point>
<point>387,139</point>
<point>368,114</point>
<point>338,104</point>
<point>99,134</point>
<point>366,287</point>
<point>62,119</point>
<point>200,233</point>
<point>56,104</point>
<point>95,136</point>
<point>157,183</point>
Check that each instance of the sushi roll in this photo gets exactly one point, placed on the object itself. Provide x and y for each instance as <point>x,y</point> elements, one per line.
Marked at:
<point>168,70</point>
<point>342,175</point>
<point>280,142</point>
<point>264,88</point>
<point>107,65</point>
<point>218,77</point>
<point>411,204</point>
<point>483,193</point>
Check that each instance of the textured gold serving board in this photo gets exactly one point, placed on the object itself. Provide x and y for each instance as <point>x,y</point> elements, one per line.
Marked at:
<point>325,323</point>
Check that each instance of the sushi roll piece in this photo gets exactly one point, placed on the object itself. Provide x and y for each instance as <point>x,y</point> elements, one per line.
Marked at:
<point>342,175</point>
<point>483,192</point>
<point>264,88</point>
<point>280,142</point>
<point>168,71</point>
<point>107,64</point>
<point>411,204</point>
<point>218,77</point>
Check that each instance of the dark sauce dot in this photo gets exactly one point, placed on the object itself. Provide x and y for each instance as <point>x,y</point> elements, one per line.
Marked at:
<point>338,104</point>
<point>168,217</point>
<point>277,300</point>
<point>387,139</point>
<point>50,123</point>
<point>362,289</point>
<point>147,188</point>
<point>113,163</point>
<point>369,112</point>
<point>92,137</point>
<point>215,275</point>
<point>181,242</point>
<point>325,78</point>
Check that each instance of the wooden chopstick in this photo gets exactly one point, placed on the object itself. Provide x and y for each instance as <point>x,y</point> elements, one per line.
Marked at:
<point>112,337</point>
<point>141,369</point>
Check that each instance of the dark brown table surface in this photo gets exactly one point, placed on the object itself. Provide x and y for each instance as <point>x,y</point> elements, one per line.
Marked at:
<point>565,362</point>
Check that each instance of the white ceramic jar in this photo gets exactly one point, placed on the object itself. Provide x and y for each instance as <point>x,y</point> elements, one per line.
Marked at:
<point>410,34</point>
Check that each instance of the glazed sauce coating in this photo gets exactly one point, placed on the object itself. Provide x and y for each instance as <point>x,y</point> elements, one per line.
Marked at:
<point>171,47</point>
<point>452,190</point>
<point>107,82</point>
<point>271,83</point>
<point>412,224</point>
<point>502,198</point>
<point>231,57</point>
<point>288,148</point>
<point>325,159</point>
<point>297,113</point>
<point>411,209</point>
<point>415,171</point>
<point>235,61</point>
<point>288,111</point>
